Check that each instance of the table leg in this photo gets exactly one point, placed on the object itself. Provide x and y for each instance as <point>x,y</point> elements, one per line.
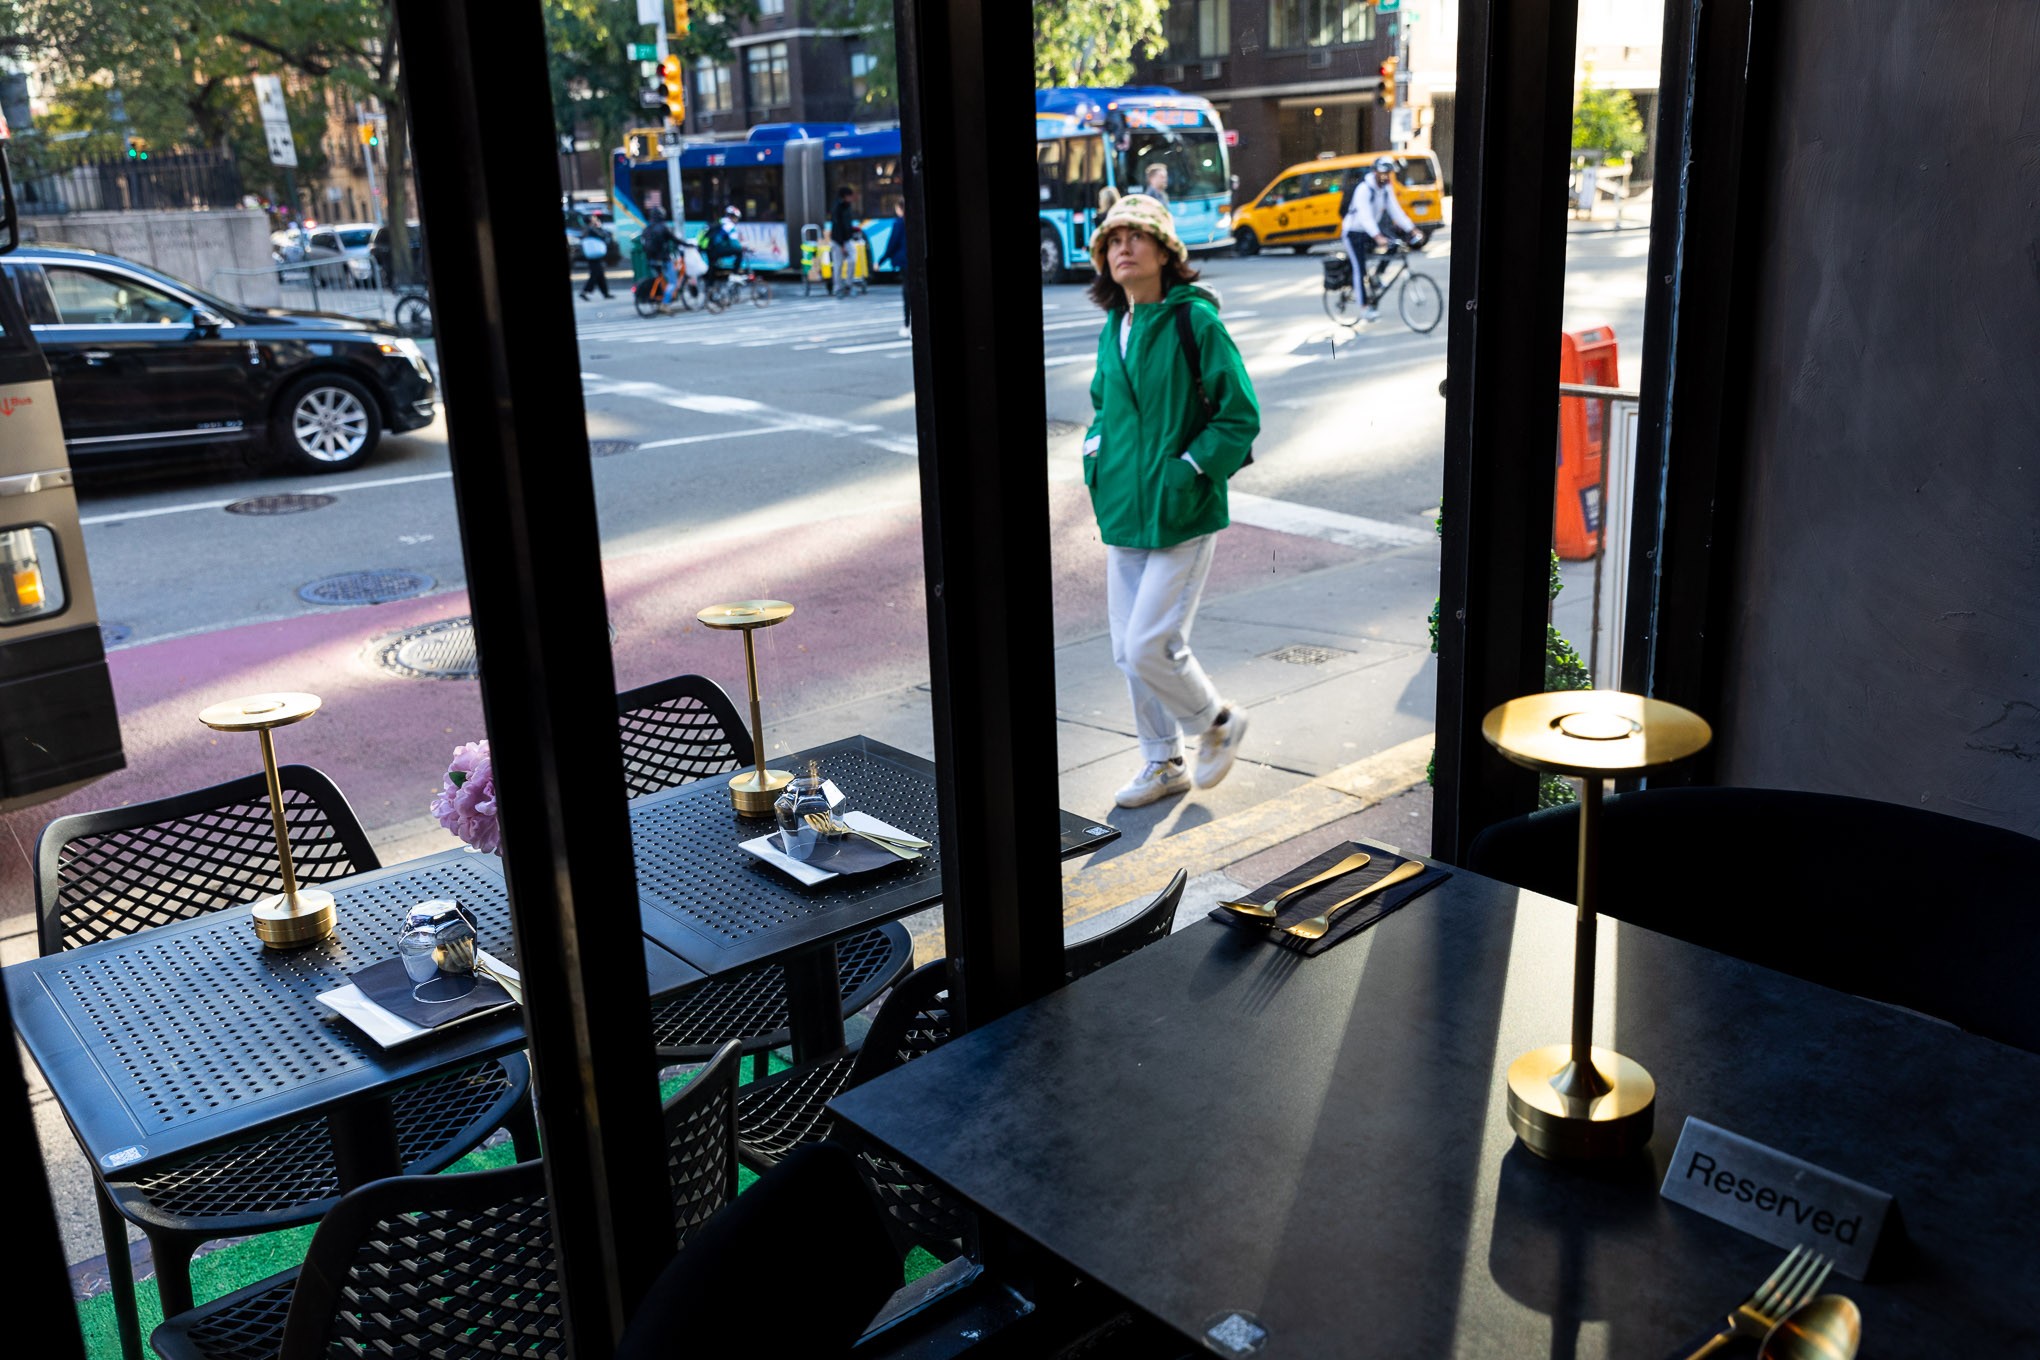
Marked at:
<point>120,1273</point>
<point>364,1142</point>
<point>814,1004</point>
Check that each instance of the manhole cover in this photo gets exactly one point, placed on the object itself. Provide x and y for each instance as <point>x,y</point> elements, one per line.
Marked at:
<point>287,503</point>
<point>365,587</point>
<point>437,651</point>
<point>1063,429</point>
<point>1303,654</point>
<point>111,635</point>
<point>608,448</point>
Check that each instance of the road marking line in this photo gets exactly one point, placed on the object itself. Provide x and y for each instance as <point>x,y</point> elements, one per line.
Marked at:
<point>712,438</point>
<point>741,408</point>
<point>122,515</point>
<point>1308,521</point>
<point>873,349</point>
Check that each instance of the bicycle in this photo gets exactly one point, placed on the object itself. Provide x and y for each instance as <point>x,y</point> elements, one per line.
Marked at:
<point>1421,303</point>
<point>413,312</point>
<point>650,295</point>
<point>735,287</point>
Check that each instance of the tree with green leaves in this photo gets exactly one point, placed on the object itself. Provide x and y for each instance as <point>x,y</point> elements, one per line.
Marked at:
<point>1083,42</point>
<point>595,84</point>
<point>1607,120</point>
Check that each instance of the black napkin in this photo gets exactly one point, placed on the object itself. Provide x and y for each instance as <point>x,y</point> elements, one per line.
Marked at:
<point>849,855</point>
<point>389,986</point>
<point>1347,923</point>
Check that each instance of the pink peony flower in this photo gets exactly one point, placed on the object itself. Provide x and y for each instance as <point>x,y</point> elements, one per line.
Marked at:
<point>466,802</point>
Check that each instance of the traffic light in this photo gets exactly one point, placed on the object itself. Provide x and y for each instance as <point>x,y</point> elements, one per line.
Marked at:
<point>369,135</point>
<point>137,149</point>
<point>1385,96</point>
<point>676,89</point>
<point>679,18</point>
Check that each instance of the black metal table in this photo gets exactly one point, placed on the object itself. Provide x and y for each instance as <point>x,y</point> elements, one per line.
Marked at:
<point>721,909</point>
<point>1216,1125</point>
<point>174,1039</point>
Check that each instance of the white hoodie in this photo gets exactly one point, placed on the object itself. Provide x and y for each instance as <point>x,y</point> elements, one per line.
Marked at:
<point>1370,199</point>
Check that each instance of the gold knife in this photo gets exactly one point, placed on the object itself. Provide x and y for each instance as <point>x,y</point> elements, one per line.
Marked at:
<point>1316,926</point>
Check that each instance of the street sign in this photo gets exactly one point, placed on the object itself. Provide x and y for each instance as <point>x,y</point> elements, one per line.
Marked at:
<point>1401,125</point>
<point>1232,136</point>
<point>641,51</point>
<point>275,120</point>
<point>653,99</point>
<point>1387,6</point>
<point>669,139</point>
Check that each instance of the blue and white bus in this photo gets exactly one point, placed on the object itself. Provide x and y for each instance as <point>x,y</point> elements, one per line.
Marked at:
<point>1088,139</point>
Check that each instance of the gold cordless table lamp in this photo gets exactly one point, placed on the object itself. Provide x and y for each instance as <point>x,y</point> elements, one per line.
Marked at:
<point>296,916</point>
<point>1573,1101</point>
<point>752,791</point>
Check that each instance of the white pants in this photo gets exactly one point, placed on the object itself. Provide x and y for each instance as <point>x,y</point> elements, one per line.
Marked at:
<point>841,256</point>
<point>1151,595</point>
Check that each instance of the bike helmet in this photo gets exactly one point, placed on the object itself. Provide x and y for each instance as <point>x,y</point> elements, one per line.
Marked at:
<point>732,213</point>
<point>1384,165</point>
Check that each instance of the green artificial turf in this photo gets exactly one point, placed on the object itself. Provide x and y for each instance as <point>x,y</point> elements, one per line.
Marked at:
<point>223,1271</point>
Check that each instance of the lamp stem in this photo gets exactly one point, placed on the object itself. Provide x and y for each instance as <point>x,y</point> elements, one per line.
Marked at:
<point>276,817</point>
<point>757,717</point>
<point>1585,931</point>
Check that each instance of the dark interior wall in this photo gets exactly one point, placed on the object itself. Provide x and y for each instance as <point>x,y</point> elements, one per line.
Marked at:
<point>1885,637</point>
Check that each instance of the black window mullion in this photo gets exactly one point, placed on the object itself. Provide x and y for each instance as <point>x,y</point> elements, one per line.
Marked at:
<point>525,491</point>
<point>966,88</point>
<point>1515,83</point>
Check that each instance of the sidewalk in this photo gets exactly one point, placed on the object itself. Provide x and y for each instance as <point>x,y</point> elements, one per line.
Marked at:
<point>1318,630</point>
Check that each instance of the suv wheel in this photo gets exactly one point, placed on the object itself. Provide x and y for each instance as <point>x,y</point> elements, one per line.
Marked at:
<point>1051,257</point>
<point>326,423</point>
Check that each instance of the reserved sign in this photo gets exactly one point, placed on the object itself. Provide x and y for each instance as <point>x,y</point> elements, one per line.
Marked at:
<point>1775,1196</point>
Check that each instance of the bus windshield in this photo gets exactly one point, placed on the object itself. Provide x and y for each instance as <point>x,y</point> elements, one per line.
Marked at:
<point>1194,158</point>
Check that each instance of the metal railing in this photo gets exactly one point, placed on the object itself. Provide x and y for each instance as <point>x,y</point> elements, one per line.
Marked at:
<point>48,185</point>
<point>350,285</point>
<point>1612,425</point>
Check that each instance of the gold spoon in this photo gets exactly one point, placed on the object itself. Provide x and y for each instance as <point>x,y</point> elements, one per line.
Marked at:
<point>1316,926</point>
<point>462,956</point>
<point>1266,912</point>
<point>1828,1327</point>
<point>829,826</point>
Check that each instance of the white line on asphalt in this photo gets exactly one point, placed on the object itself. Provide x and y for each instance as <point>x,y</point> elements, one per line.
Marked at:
<point>711,438</point>
<point>121,515</point>
<point>1058,360</point>
<point>741,408</point>
<point>1308,521</point>
<point>873,349</point>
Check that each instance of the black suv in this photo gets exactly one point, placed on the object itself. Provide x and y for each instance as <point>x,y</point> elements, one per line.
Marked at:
<point>146,365</point>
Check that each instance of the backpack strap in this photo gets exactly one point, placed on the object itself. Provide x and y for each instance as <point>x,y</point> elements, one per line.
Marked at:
<point>1188,339</point>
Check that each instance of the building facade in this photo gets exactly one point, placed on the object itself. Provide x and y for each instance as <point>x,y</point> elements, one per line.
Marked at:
<point>785,66</point>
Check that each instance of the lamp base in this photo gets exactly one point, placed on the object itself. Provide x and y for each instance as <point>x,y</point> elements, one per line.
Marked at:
<point>1580,1127</point>
<point>280,926</point>
<point>752,799</point>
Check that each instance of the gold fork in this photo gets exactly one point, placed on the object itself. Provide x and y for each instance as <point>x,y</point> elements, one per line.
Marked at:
<point>1269,910</point>
<point>1798,1278</point>
<point>1316,926</point>
<point>829,826</point>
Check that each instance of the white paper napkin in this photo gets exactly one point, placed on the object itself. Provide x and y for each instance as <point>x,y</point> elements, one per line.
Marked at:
<point>391,1030</point>
<point>766,847</point>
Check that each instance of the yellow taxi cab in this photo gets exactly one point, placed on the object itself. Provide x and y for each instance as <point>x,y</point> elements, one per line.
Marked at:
<point>1302,206</point>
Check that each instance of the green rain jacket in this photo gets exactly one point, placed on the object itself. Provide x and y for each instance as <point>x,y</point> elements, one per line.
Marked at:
<point>1147,417</point>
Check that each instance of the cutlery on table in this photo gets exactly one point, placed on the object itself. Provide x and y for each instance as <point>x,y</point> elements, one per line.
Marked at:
<point>1798,1278</point>
<point>829,826</point>
<point>1316,926</point>
<point>1829,1327</point>
<point>1269,910</point>
<point>461,956</point>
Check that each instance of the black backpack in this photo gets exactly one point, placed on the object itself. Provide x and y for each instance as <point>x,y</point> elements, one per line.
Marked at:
<point>1188,339</point>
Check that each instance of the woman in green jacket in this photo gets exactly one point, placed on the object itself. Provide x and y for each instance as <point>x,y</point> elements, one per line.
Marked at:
<point>1175,418</point>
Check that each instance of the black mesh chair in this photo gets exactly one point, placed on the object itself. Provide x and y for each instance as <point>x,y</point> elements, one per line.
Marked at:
<point>101,875</point>
<point>789,1109</point>
<point>681,730</point>
<point>1085,951</point>
<point>1834,905</point>
<point>450,1267</point>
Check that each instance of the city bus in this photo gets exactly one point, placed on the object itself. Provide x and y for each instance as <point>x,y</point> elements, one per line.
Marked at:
<point>1088,139</point>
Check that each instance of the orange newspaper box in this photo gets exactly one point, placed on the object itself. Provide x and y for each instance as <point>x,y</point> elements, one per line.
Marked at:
<point>1588,358</point>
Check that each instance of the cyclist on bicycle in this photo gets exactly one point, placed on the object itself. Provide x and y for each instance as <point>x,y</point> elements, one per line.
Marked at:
<point>719,244</point>
<point>1371,218</point>
<point>661,245</point>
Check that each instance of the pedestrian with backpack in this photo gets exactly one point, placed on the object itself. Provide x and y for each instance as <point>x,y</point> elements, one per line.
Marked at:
<point>1174,418</point>
<point>595,250</point>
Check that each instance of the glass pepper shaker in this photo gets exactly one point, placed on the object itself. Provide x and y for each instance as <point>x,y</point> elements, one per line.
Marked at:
<point>803,798</point>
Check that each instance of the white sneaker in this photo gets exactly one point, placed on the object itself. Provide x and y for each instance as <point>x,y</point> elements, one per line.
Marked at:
<point>1371,314</point>
<point>906,332</point>
<point>1158,779</point>
<point>1218,746</point>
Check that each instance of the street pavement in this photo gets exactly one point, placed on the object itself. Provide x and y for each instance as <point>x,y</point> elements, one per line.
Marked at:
<point>771,452</point>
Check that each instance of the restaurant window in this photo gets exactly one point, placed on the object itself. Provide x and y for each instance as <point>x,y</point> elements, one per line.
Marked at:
<point>1319,23</point>
<point>712,86</point>
<point>1199,28</point>
<point>769,85</point>
<point>769,8</point>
